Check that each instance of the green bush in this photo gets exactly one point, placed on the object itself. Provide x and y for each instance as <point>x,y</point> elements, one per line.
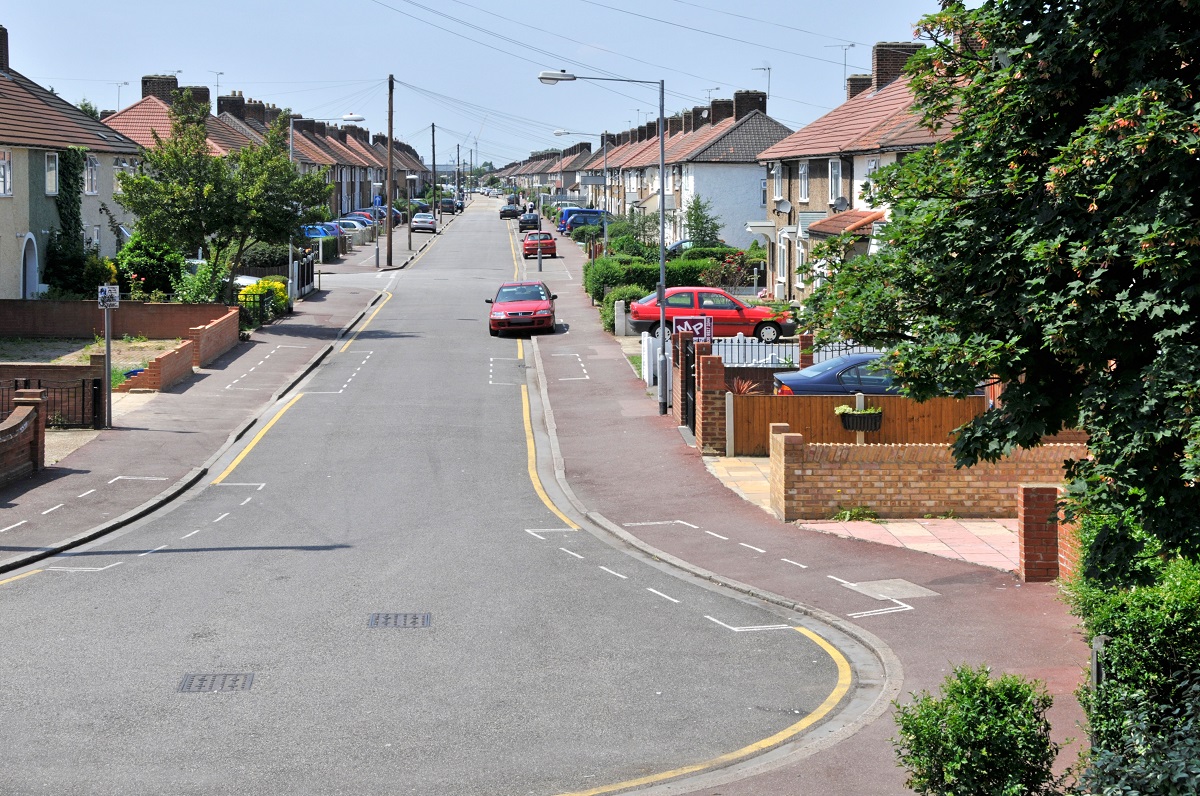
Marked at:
<point>607,273</point>
<point>718,253</point>
<point>278,285</point>
<point>264,255</point>
<point>626,293</point>
<point>152,264</point>
<point>983,737</point>
<point>267,289</point>
<point>587,233</point>
<point>628,244</point>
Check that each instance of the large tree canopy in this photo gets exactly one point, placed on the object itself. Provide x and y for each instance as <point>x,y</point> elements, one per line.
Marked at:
<point>1052,243</point>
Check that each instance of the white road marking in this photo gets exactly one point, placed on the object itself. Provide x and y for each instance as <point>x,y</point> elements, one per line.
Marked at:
<point>839,580</point>
<point>86,569</point>
<point>660,594</point>
<point>719,536</point>
<point>534,535</point>
<point>193,533</point>
<point>552,530</point>
<point>611,572</point>
<point>324,392</point>
<point>230,483</point>
<point>571,553</point>
<point>223,516</point>
<point>898,607</point>
<point>252,369</point>
<point>14,525</point>
<point>55,508</point>
<point>135,478</point>
<point>85,494</point>
<point>749,628</point>
<point>155,550</point>
<point>660,522</point>
<point>752,547</point>
<point>247,500</point>
<point>794,563</point>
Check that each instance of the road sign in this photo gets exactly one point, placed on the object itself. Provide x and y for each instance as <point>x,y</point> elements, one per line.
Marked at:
<point>110,297</point>
<point>378,201</point>
<point>701,327</point>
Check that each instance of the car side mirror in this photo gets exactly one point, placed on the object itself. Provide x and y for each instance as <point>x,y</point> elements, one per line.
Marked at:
<point>487,301</point>
<point>553,296</point>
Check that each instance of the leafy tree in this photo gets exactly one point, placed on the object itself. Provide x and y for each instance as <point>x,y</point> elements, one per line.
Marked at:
<point>702,227</point>
<point>154,266</point>
<point>89,108</point>
<point>1052,243</point>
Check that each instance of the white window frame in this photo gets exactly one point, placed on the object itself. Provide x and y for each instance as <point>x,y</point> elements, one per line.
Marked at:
<point>802,181</point>
<point>764,194</point>
<point>6,178</point>
<point>51,174</point>
<point>777,170</point>
<point>872,166</point>
<point>91,176</point>
<point>799,281</point>
<point>835,184</point>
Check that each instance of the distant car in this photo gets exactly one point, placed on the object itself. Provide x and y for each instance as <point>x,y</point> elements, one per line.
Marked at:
<point>367,217</point>
<point>528,221</point>
<point>458,205</point>
<point>510,211</point>
<point>421,207</point>
<point>520,306</point>
<point>314,231</point>
<point>538,240</point>
<point>423,222</point>
<point>844,375</point>
<point>730,316</point>
<point>446,205</point>
<point>350,224</point>
<point>678,247</point>
<point>578,220</point>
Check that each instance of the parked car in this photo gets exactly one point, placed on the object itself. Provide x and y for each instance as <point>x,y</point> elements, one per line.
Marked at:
<point>678,247</point>
<point>367,217</point>
<point>510,211</point>
<point>730,316</point>
<point>578,220</point>
<point>314,231</point>
<point>528,221</point>
<point>569,213</point>
<point>330,228</point>
<point>458,205</point>
<point>521,306</point>
<point>350,224</point>
<point>538,240</point>
<point>844,375</point>
<point>446,205</point>
<point>421,207</point>
<point>423,222</point>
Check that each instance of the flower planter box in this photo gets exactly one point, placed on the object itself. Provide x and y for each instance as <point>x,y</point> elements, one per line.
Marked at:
<point>869,421</point>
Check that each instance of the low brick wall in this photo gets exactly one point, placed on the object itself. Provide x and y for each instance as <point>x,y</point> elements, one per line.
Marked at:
<point>1048,547</point>
<point>58,375</point>
<point>164,371</point>
<point>19,318</point>
<point>901,480</point>
<point>23,438</point>
<point>214,338</point>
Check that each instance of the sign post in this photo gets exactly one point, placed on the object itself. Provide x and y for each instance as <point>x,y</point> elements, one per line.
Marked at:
<point>378,202</point>
<point>110,299</point>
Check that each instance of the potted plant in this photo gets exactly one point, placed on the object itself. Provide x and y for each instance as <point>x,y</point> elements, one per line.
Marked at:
<point>868,419</point>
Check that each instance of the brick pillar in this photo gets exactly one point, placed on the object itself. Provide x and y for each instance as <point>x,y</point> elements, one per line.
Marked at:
<point>35,399</point>
<point>710,401</point>
<point>787,461</point>
<point>678,341</point>
<point>1037,532</point>
<point>1069,551</point>
<point>806,350</point>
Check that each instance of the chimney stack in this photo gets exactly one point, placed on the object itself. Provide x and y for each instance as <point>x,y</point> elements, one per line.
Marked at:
<point>200,94</point>
<point>161,86</point>
<point>105,114</point>
<point>304,125</point>
<point>272,113</point>
<point>651,130</point>
<point>320,129</point>
<point>674,125</point>
<point>3,49</point>
<point>255,110</point>
<point>721,109</point>
<point>857,84</point>
<point>746,101</point>
<point>888,59</point>
<point>232,103</point>
<point>687,122</point>
<point>700,116</point>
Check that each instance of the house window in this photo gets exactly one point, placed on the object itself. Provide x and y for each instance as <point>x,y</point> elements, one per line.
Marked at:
<point>51,174</point>
<point>764,194</point>
<point>94,241</point>
<point>778,169</point>
<point>91,176</point>
<point>835,180</point>
<point>802,181</point>
<point>800,261</point>
<point>872,166</point>
<point>6,180</point>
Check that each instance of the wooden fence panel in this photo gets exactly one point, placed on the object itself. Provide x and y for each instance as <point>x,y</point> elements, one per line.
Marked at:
<point>904,420</point>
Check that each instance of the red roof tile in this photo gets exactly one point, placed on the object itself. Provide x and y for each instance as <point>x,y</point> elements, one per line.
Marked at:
<point>31,116</point>
<point>151,115</point>
<point>858,221</point>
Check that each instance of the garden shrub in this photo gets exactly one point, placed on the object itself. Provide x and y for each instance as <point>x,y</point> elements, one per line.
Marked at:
<point>265,255</point>
<point>608,311</point>
<point>587,233</point>
<point>278,285</point>
<point>607,273</point>
<point>718,253</point>
<point>152,264</point>
<point>266,289</point>
<point>983,737</point>
<point>628,244</point>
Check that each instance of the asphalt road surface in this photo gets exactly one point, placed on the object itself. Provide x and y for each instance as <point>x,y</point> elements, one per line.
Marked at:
<point>377,594</point>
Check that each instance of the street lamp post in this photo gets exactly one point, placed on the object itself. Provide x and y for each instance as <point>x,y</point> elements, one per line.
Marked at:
<point>604,146</point>
<point>550,78</point>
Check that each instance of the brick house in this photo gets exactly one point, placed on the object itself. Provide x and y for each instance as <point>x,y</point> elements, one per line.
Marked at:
<point>35,127</point>
<point>815,177</point>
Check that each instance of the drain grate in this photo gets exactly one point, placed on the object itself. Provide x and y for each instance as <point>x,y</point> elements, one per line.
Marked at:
<point>400,620</point>
<point>207,683</point>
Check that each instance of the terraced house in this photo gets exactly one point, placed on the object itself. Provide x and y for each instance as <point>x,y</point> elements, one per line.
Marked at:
<point>36,127</point>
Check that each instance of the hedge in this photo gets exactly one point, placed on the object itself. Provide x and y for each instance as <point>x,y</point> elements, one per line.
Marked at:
<point>606,273</point>
<point>626,293</point>
<point>718,253</point>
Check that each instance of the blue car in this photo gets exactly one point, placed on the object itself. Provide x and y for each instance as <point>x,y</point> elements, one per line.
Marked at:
<point>844,375</point>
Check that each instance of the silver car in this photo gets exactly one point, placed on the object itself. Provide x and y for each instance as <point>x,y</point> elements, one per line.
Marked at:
<point>423,222</point>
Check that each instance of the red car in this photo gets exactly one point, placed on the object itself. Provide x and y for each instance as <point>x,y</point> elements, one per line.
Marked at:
<point>521,306</point>
<point>534,240</point>
<point>730,316</point>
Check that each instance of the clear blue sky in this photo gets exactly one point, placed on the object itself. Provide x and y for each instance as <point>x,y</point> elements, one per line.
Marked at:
<point>469,66</point>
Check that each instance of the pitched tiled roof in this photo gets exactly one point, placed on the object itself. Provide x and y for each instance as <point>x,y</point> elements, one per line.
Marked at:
<point>242,127</point>
<point>868,122</point>
<point>858,221</point>
<point>151,115</point>
<point>741,142</point>
<point>34,117</point>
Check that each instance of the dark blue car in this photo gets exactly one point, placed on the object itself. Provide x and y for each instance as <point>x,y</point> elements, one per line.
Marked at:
<point>844,375</point>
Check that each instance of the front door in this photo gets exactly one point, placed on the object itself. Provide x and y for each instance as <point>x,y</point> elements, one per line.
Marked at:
<point>29,270</point>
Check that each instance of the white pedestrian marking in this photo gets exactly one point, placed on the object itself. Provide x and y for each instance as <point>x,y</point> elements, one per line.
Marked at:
<point>55,508</point>
<point>612,572</point>
<point>135,478</point>
<point>252,369</point>
<point>839,580</point>
<point>660,594</point>
<point>752,547</point>
<point>794,563</point>
<point>193,533</point>
<point>570,553</point>
<point>85,494</point>
<point>660,522</point>
<point>14,525</point>
<point>155,550</point>
<point>747,629</point>
<point>719,536</point>
<point>223,516</point>
<point>534,535</point>
<point>247,500</point>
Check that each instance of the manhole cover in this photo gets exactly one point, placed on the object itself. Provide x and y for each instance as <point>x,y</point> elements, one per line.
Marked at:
<point>206,683</point>
<point>400,620</point>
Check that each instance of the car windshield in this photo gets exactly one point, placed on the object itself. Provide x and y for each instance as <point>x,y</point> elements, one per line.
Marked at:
<point>821,368</point>
<point>521,293</point>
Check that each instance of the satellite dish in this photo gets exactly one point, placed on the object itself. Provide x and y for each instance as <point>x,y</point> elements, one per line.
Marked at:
<point>840,204</point>
<point>783,205</point>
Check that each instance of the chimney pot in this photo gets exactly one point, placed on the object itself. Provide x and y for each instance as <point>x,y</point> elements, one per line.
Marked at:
<point>161,86</point>
<point>234,104</point>
<point>746,101</point>
<point>857,84</point>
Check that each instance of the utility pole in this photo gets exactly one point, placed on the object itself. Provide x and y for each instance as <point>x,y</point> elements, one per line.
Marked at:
<point>458,172</point>
<point>433,157</point>
<point>387,202</point>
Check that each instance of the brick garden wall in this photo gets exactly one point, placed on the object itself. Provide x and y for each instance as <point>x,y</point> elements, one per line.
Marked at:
<point>23,438</point>
<point>19,318</point>
<point>901,480</point>
<point>1048,547</point>
<point>53,375</point>
<point>214,338</point>
<point>164,371</point>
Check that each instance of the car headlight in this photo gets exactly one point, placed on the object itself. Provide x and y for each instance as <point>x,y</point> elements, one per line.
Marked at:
<point>499,315</point>
<point>544,312</point>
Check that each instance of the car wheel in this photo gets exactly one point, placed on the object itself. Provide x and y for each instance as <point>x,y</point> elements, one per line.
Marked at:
<point>767,333</point>
<point>653,330</point>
